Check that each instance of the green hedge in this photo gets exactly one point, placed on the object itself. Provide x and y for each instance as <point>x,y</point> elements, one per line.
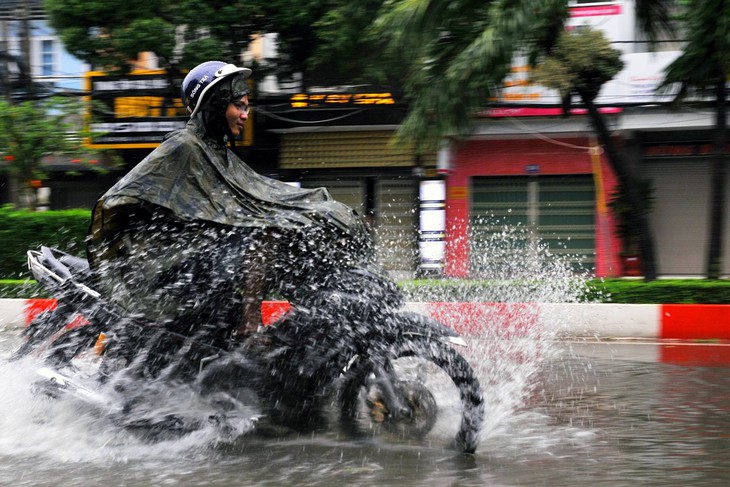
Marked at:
<point>633,291</point>
<point>677,291</point>
<point>16,288</point>
<point>66,229</point>
<point>23,230</point>
<point>681,291</point>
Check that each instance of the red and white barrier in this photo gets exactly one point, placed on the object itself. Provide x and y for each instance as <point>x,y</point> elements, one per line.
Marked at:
<point>653,321</point>
<point>604,320</point>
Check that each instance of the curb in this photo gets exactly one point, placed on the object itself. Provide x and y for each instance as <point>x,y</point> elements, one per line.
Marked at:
<point>649,321</point>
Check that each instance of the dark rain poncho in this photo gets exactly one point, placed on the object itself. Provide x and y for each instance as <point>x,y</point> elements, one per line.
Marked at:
<point>198,180</point>
<point>154,234</point>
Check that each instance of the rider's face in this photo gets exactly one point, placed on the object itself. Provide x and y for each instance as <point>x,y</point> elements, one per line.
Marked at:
<point>236,115</point>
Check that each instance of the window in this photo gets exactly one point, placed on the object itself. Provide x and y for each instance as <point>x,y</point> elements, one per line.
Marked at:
<point>47,57</point>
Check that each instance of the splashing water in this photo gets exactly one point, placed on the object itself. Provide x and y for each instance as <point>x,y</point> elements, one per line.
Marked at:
<point>509,340</point>
<point>64,429</point>
<point>507,348</point>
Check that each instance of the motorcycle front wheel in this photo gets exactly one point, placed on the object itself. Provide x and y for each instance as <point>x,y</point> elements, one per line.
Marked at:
<point>426,375</point>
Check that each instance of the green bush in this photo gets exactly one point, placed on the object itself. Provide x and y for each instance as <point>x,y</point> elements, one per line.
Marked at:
<point>16,288</point>
<point>632,291</point>
<point>676,291</point>
<point>66,229</point>
<point>24,230</point>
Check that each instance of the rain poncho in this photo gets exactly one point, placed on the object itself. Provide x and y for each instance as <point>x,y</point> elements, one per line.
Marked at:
<point>197,181</point>
<point>189,197</point>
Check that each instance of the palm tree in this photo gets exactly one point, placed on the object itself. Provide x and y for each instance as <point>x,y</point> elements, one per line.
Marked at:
<point>702,70</point>
<point>463,49</point>
<point>579,64</point>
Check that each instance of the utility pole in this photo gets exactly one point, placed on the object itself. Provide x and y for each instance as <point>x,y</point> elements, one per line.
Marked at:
<point>4,80</point>
<point>23,86</point>
<point>27,81</point>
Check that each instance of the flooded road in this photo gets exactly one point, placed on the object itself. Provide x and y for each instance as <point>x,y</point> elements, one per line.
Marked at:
<point>564,413</point>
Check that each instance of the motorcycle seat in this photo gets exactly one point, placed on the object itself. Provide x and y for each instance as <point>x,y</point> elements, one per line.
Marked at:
<point>65,265</point>
<point>76,264</point>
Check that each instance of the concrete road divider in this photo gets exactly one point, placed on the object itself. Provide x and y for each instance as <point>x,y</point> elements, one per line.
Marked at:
<point>657,321</point>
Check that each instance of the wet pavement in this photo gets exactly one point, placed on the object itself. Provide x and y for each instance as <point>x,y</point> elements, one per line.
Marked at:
<point>568,413</point>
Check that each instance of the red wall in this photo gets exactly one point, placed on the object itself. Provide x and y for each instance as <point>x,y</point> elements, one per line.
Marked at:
<point>510,158</point>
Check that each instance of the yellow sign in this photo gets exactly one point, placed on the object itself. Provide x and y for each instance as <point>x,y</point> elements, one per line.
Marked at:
<point>146,106</point>
<point>302,100</point>
<point>458,193</point>
<point>136,110</point>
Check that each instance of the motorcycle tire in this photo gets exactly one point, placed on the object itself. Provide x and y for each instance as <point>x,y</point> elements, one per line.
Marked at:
<point>445,358</point>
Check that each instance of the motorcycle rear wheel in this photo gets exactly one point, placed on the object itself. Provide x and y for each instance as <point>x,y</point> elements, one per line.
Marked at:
<point>355,386</point>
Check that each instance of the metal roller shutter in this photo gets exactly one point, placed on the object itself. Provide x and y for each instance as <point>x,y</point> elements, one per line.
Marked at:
<point>396,223</point>
<point>348,191</point>
<point>396,226</point>
<point>566,218</point>
<point>680,216</point>
<point>366,149</point>
<point>556,210</point>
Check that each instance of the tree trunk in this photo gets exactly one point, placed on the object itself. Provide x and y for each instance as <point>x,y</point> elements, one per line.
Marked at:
<point>630,185</point>
<point>26,197</point>
<point>719,171</point>
<point>14,189</point>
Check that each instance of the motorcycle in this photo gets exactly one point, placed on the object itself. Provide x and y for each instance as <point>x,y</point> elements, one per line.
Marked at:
<point>346,346</point>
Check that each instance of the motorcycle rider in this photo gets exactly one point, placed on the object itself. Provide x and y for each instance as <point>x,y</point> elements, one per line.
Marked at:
<point>191,238</point>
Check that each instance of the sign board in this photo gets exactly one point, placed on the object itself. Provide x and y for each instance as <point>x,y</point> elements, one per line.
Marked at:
<point>132,111</point>
<point>136,110</point>
<point>329,99</point>
<point>636,84</point>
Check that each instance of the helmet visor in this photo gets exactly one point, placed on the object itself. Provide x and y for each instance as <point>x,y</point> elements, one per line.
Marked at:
<point>228,70</point>
<point>239,87</point>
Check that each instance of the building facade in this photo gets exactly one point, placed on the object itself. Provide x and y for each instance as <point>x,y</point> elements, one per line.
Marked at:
<point>342,139</point>
<point>527,164</point>
<point>32,53</point>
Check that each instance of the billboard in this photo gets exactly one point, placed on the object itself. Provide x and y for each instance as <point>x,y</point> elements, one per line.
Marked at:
<point>636,84</point>
<point>133,111</point>
<point>136,110</point>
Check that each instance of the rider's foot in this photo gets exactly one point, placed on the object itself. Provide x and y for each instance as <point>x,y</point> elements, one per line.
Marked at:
<point>377,411</point>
